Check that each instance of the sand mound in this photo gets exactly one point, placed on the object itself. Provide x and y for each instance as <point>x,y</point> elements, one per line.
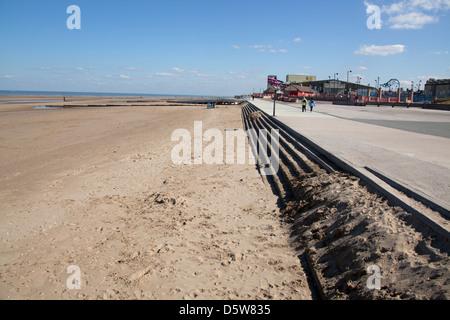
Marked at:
<point>254,116</point>
<point>343,229</point>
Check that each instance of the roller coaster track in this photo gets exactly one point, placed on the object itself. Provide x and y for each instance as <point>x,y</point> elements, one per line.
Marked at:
<point>391,83</point>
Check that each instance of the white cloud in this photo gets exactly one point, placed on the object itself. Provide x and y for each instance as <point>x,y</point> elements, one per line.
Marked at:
<point>178,70</point>
<point>267,48</point>
<point>356,76</point>
<point>439,52</point>
<point>405,83</point>
<point>413,14</point>
<point>427,77</point>
<point>362,68</point>
<point>184,71</point>
<point>419,79</point>
<point>235,47</point>
<point>7,76</point>
<point>163,74</point>
<point>204,75</point>
<point>394,8</point>
<point>239,74</point>
<point>431,4</point>
<point>81,68</point>
<point>122,76</point>
<point>132,69</point>
<point>380,50</point>
<point>298,39</point>
<point>259,46</point>
<point>412,20</point>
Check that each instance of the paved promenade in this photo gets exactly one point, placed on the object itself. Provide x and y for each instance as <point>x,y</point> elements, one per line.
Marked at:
<point>408,146</point>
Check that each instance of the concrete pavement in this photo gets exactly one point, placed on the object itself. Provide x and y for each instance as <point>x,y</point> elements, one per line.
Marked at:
<point>408,146</point>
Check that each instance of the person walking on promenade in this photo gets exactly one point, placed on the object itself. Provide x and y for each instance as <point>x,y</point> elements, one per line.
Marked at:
<point>304,103</point>
<point>312,104</point>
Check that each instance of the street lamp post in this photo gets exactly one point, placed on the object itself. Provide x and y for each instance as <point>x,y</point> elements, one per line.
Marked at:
<point>335,86</point>
<point>274,100</point>
<point>277,90</point>
<point>329,85</point>
<point>348,90</point>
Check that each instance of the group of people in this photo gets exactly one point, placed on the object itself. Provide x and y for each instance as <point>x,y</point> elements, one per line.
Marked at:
<point>312,104</point>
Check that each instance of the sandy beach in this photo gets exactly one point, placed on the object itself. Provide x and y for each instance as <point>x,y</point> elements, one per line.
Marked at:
<point>93,186</point>
<point>96,188</point>
<point>190,155</point>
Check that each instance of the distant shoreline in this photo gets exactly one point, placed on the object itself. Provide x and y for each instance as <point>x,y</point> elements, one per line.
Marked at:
<point>91,94</point>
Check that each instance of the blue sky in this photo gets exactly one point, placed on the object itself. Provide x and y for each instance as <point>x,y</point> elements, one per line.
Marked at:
<point>217,47</point>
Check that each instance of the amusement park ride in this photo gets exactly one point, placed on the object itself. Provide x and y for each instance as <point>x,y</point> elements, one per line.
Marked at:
<point>391,83</point>
<point>389,92</point>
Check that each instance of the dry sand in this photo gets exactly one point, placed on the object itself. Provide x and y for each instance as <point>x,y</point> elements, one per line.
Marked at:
<point>344,228</point>
<point>96,188</point>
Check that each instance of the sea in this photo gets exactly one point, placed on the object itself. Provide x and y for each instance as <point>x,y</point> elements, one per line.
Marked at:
<point>91,94</point>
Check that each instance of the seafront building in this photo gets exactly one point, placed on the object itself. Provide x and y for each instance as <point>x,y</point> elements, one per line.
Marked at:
<point>298,78</point>
<point>438,88</point>
<point>291,93</point>
<point>336,87</point>
<point>298,86</point>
